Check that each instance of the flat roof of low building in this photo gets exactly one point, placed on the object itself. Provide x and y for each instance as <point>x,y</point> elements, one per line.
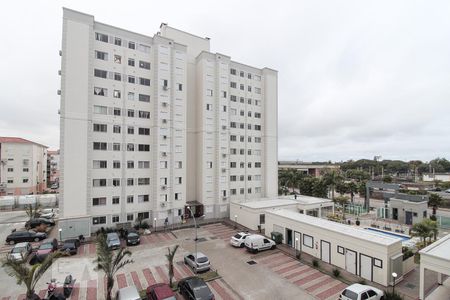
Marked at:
<point>439,249</point>
<point>268,203</point>
<point>335,227</point>
<point>302,199</point>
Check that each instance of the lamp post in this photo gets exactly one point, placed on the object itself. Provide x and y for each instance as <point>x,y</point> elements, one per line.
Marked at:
<point>394,275</point>
<point>296,248</point>
<point>154,221</point>
<point>195,240</point>
<point>235,221</point>
<point>60,230</point>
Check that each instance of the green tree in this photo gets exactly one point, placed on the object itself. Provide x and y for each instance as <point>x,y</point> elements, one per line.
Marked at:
<point>352,189</point>
<point>110,262</point>
<point>421,230</point>
<point>433,227</point>
<point>319,188</point>
<point>342,201</point>
<point>170,256</point>
<point>331,179</point>
<point>387,179</point>
<point>29,275</point>
<point>32,211</point>
<point>434,201</point>
<point>342,187</point>
<point>306,185</point>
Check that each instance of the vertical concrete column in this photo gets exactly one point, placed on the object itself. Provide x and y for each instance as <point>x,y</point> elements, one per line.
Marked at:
<point>422,283</point>
<point>320,212</point>
<point>439,278</point>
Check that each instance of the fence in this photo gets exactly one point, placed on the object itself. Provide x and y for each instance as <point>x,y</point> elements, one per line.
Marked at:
<point>443,222</point>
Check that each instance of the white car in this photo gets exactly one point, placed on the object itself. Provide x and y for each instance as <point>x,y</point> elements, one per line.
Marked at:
<point>361,292</point>
<point>255,243</point>
<point>198,263</point>
<point>20,252</point>
<point>47,213</point>
<point>238,240</point>
<point>447,191</point>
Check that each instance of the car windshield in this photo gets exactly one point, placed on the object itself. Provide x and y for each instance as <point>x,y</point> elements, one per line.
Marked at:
<point>132,234</point>
<point>238,236</point>
<point>46,246</point>
<point>18,249</point>
<point>350,294</point>
<point>201,291</point>
<point>202,259</point>
<point>69,245</point>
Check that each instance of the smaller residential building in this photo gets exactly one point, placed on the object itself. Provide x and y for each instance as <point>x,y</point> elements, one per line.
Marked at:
<point>408,212</point>
<point>23,166</point>
<point>445,177</point>
<point>52,168</point>
<point>313,169</point>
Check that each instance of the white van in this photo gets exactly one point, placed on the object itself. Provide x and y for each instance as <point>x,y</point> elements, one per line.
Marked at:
<point>256,242</point>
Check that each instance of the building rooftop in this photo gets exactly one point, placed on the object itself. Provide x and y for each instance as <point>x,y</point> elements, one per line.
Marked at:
<point>5,139</point>
<point>439,249</point>
<point>335,227</point>
<point>268,203</point>
<point>302,199</point>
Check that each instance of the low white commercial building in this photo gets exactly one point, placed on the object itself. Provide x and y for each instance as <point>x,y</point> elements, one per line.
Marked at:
<point>360,252</point>
<point>436,177</point>
<point>435,257</point>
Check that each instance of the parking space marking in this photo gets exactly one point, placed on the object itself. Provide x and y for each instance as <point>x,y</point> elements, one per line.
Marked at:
<point>297,272</point>
<point>149,276</point>
<point>75,292</point>
<point>320,284</point>
<point>42,293</point>
<point>121,280</point>
<point>162,275</point>
<point>287,267</point>
<point>21,297</point>
<point>136,280</point>
<point>176,273</point>
<point>220,290</point>
<point>310,277</point>
<point>186,270</point>
<point>91,291</point>
<point>332,292</point>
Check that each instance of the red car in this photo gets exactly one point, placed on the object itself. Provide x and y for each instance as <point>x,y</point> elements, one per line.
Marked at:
<point>160,291</point>
<point>44,250</point>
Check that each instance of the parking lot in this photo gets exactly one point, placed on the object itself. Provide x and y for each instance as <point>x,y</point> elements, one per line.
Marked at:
<point>267,275</point>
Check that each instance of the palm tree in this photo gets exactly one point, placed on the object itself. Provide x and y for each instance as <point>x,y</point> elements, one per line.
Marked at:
<point>32,211</point>
<point>170,256</point>
<point>421,230</point>
<point>332,178</point>
<point>29,275</point>
<point>434,201</point>
<point>342,201</point>
<point>432,225</point>
<point>110,262</point>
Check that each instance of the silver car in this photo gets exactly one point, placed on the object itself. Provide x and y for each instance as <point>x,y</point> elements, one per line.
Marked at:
<point>20,252</point>
<point>202,263</point>
<point>113,241</point>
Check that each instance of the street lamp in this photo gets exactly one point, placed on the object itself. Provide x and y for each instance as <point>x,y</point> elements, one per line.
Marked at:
<point>196,234</point>
<point>154,220</point>
<point>394,275</point>
<point>60,230</point>
<point>235,221</point>
<point>296,248</point>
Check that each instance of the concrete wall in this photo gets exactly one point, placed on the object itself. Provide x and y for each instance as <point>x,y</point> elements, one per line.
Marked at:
<point>360,246</point>
<point>402,206</point>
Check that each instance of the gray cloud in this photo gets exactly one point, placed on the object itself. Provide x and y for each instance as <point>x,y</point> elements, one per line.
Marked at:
<point>356,78</point>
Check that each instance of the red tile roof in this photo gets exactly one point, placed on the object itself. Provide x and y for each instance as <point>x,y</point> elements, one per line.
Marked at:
<point>17,140</point>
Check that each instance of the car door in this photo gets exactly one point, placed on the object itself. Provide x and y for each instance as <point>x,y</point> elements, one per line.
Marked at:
<point>266,244</point>
<point>364,296</point>
<point>191,260</point>
<point>372,294</point>
<point>24,237</point>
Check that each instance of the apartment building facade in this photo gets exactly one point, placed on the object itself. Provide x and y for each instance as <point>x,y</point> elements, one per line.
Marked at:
<point>152,125</point>
<point>52,169</point>
<point>22,166</point>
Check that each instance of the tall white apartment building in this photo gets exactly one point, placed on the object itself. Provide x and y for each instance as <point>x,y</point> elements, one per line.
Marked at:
<point>151,125</point>
<point>23,166</point>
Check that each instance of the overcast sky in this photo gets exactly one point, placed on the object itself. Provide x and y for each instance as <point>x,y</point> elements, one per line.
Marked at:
<point>356,78</point>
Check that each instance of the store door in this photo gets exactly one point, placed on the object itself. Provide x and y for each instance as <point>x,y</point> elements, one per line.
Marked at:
<point>408,217</point>
<point>350,261</point>
<point>289,237</point>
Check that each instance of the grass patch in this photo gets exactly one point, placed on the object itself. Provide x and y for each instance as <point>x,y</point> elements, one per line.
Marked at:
<point>208,276</point>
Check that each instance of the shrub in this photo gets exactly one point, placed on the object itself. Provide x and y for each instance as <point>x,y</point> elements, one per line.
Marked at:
<point>315,263</point>
<point>389,295</point>
<point>362,281</point>
<point>336,272</point>
<point>433,217</point>
<point>145,225</point>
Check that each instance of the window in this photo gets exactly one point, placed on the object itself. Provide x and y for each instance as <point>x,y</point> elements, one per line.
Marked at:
<point>249,76</point>
<point>144,65</point>
<point>143,215</point>
<point>144,131</point>
<point>257,115</point>
<point>144,98</point>
<point>163,164</point>
<point>131,45</point>
<point>257,165</point>
<point>257,140</point>
<point>144,147</point>
<point>177,196</point>
<point>249,101</point>
<point>131,62</point>
<point>178,180</point>
<point>25,170</point>
<point>116,129</point>
<point>224,94</point>
<point>130,129</point>
<point>144,81</point>
<point>224,108</point>
<point>378,263</point>
<point>209,164</point>
<point>145,164</point>
<point>242,100</point>
<point>262,219</point>
<point>249,88</point>
<point>100,73</point>
<point>101,55</point>
<point>233,192</point>
<point>115,219</point>
<point>117,59</point>
<point>116,182</point>
<point>233,98</point>
<point>130,96</point>
<point>116,164</point>
<point>241,191</point>
<point>143,198</point>
<point>308,241</point>
<point>101,37</point>
<point>116,146</point>
<point>24,180</point>
<point>98,220</point>
<point>117,111</point>
<point>118,76</point>
<point>143,181</point>
<point>10,180</point>
<point>130,147</point>
<point>257,90</point>
<point>233,71</point>
<point>241,73</point>
<point>99,146</point>
<point>130,199</point>
<point>233,164</point>
<point>257,102</point>
<point>208,106</point>
<point>209,92</point>
<point>98,201</point>
<point>100,127</point>
<point>233,138</point>
<point>131,79</point>
<point>249,177</point>
<point>130,217</point>
<point>233,178</point>
<point>242,138</point>
<point>98,182</point>
<point>233,84</point>
<point>179,87</point>
<point>340,249</point>
<point>241,87</point>
<point>130,113</point>
<point>257,77</point>
<point>178,165</point>
<point>100,164</point>
<point>100,91</point>
<point>241,178</point>
<point>371,293</point>
<point>115,200</point>
<point>144,48</point>
<point>130,164</point>
<point>144,114</point>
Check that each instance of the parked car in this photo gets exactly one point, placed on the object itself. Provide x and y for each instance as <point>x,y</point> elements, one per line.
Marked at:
<point>47,213</point>
<point>55,186</point>
<point>128,293</point>
<point>256,243</point>
<point>194,288</point>
<point>76,241</point>
<point>20,252</point>
<point>198,263</point>
<point>113,241</point>
<point>133,238</point>
<point>25,236</point>
<point>33,223</point>
<point>447,191</point>
<point>70,247</point>
<point>361,292</point>
<point>238,240</point>
<point>44,250</point>
<point>160,291</point>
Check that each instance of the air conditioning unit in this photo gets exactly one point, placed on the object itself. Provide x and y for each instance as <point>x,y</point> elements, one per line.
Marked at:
<point>165,137</point>
<point>60,52</point>
<point>165,87</point>
<point>224,155</point>
<point>164,104</point>
<point>3,161</point>
<point>163,187</point>
<point>58,92</point>
<point>163,204</point>
<point>164,121</point>
<point>224,170</point>
<point>164,154</point>
<point>2,185</point>
<point>59,72</point>
<point>224,126</point>
<point>224,198</point>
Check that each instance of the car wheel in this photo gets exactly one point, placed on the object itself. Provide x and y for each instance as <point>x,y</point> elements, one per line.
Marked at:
<point>241,245</point>
<point>273,247</point>
<point>36,239</point>
<point>11,242</point>
<point>382,298</point>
